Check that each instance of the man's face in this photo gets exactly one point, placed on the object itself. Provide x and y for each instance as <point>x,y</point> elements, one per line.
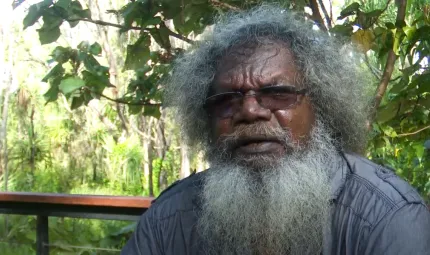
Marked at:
<point>270,160</point>
<point>247,70</point>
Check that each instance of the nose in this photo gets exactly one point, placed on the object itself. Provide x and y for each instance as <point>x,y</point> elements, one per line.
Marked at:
<point>251,111</point>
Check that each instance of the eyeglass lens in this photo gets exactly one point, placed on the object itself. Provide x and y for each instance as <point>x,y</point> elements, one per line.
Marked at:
<point>273,98</point>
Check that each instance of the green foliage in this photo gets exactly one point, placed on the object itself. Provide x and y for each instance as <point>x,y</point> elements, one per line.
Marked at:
<point>400,128</point>
<point>188,17</point>
<point>72,146</point>
<point>66,232</point>
<point>71,84</point>
<point>372,25</point>
<point>35,12</point>
<point>138,53</point>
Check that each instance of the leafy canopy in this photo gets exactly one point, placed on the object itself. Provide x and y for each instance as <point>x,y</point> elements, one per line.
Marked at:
<point>393,35</point>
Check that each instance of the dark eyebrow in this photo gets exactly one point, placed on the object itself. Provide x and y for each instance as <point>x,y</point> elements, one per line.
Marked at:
<point>279,85</point>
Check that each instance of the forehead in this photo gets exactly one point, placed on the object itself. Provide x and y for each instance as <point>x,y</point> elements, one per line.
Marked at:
<point>252,67</point>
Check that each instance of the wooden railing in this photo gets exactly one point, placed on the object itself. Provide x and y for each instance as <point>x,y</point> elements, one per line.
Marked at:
<point>45,205</point>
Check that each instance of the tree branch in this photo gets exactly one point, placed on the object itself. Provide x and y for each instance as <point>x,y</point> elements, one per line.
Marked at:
<point>389,66</point>
<point>128,103</point>
<point>326,15</point>
<point>121,101</point>
<point>386,76</point>
<point>139,132</point>
<point>316,15</point>
<point>104,23</point>
<point>331,9</point>
<point>388,3</point>
<point>180,37</point>
<point>224,5</point>
<point>415,132</point>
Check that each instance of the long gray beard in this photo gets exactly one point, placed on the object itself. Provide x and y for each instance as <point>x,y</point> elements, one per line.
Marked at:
<point>279,210</point>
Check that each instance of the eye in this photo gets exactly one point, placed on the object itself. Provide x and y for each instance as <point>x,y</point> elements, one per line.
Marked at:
<point>278,90</point>
<point>224,98</point>
<point>278,97</point>
<point>223,105</point>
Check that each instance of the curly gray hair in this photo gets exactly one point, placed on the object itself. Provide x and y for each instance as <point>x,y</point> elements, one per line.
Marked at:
<point>336,85</point>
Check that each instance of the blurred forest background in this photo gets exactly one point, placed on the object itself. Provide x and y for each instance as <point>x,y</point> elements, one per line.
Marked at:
<point>81,107</point>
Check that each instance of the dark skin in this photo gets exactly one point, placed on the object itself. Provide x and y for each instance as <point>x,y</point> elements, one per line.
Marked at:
<point>248,69</point>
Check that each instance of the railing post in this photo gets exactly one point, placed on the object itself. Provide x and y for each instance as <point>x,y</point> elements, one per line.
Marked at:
<point>42,237</point>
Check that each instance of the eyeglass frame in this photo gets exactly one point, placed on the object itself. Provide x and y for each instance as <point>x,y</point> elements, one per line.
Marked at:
<point>257,94</point>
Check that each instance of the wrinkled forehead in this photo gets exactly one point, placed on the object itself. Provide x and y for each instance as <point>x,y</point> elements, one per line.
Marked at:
<point>253,65</point>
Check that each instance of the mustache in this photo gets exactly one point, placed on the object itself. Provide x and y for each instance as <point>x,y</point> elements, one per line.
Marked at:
<point>254,132</point>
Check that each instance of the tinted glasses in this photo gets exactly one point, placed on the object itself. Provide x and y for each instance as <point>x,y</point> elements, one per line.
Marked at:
<point>225,105</point>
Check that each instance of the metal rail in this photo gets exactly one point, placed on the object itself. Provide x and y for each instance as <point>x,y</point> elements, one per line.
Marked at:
<point>45,205</point>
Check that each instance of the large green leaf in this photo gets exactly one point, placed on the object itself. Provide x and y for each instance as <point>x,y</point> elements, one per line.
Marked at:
<point>366,19</point>
<point>92,65</point>
<point>76,12</point>
<point>419,150</point>
<point>349,10</point>
<point>51,21</point>
<point>96,82</point>
<point>134,12</point>
<point>342,30</point>
<point>390,132</point>
<point>138,53</point>
<point>71,84</point>
<point>402,84</point>
<point>57,71</point>
<point>161,36</point>
<point>61,54</point>
<point>35,12</point>
<point>152,22</point>
<point>95,49</point>
<point>173,8</point>
<point>52,94</point>
<point>135,109</point>
<point>65,4</point>
<point>387,112</point>
<point>193,18</point>
<point>49,35</point>
<point>152,110</point>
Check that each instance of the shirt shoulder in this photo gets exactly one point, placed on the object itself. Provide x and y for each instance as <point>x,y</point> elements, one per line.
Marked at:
<point>373,190</point>
<point>182,195</point>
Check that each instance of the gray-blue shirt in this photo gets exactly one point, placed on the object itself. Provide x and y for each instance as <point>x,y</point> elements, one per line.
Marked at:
<point>373,212</point>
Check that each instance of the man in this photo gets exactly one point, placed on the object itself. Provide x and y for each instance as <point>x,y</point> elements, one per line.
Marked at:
<point>280,112</point>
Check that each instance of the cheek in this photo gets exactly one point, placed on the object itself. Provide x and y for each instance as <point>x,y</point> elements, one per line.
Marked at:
<point>221,127</point>
<point>300,121</point>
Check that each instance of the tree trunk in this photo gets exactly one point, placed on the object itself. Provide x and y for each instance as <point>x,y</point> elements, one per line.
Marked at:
<point>185,162</point>
<point>113,68</point>
<point>3,139</point>
<point>7,86</point>
<point>31,138</point>
<point>145,128</point>
<point>95,169</point>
